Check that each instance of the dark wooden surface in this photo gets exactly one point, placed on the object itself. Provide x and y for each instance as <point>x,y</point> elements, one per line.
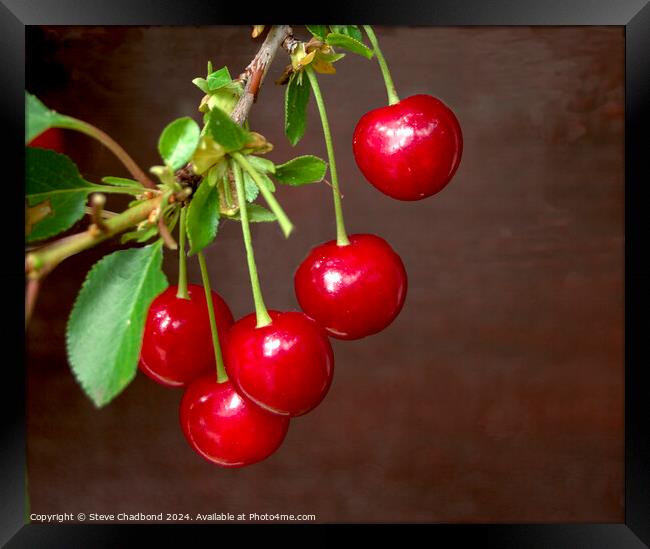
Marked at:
<point>496,396</point>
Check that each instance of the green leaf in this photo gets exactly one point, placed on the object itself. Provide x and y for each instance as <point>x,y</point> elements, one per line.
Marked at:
<point>319,31</point>
<point>349,30</point>
<point>202,217</point>
<point>54,177</point>
<point>39,118</point>
<point>201,83</point>
<point>251,190</point>
<point>256,214</point>
<point>225,98</point>
<point>295,108</point>
<point>330,57</point>
<point>207,154</point>
<point>178,141</point>
<point>262,165</point>
<point>141,235</point>
<point>301,170</point>
<point>104,332</point>
<point>121,182</point>
<point>218,79</point>
<point>267,181</point>
<point>350,44</point>
<point>225,132</point>
<point>216,173</point>
<point>249,183</point>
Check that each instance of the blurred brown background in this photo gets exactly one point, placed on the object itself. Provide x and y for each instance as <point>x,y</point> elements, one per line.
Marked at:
<point>497,394</point>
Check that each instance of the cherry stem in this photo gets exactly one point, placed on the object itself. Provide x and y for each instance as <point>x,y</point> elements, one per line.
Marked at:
<point>71,123</point>
<point>341,235</point>
<point>263,318</point>
<point>283,219</point>
<point>390,87</point>
<point>182,259</point>
<point>222,376</point>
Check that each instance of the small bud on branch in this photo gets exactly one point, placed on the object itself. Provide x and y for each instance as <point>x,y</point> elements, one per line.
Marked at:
<point>97,202</point>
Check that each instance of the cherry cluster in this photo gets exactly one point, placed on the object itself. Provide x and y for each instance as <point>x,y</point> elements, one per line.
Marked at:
<point>408,150</point>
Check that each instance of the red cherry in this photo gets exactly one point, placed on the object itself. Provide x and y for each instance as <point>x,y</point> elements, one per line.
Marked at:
<point>49,139</point>
<point>409,150</point>
<point>285,367</point>
<point>352,291</point>
<point>225,428</point>
<point>177,343</point>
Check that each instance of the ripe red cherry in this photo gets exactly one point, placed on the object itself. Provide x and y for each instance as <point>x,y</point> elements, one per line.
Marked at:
<point>285,367</point>
<point>177,343</point>
<point>352,291</point>
<point>51,138</point>
<point>409,150</point>
<point>225,428</point>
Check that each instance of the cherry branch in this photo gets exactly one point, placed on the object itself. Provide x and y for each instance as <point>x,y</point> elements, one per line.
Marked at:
<point>40,262</point>
<point>256,70</point>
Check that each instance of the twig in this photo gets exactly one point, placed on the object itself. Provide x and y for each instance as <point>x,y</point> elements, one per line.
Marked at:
<point>167,237</point>
<point>31,293</point>
<point>106,214</point>
<point>256,70</point>
<point>290,43</point>
<point>332,187</point>
<point>43,260</point>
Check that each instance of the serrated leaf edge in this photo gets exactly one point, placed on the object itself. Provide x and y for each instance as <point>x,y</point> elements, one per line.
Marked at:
<point>370,51</point>
<point>213,189</point>
<point>179,164</point>
<point>82,384</point>
<point>325,164</point>
<point>33,200</point>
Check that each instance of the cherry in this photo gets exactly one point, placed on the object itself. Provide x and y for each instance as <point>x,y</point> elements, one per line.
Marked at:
<point>353,291</point>
<point>285,367</point>
<point>51,138</point>
<point>177,343</point>
<point>225,428</point>
<point>409,150</point>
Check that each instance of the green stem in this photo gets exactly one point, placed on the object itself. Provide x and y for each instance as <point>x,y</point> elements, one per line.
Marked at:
<point>43,260</point>
<point>390,87</point>
<point>221,370</point>
<point>263,318</point>
<point>119,190</point>
<point>71,123</point>
<point>341,235</point>
<point>182,259</point>
<point>283,220</point>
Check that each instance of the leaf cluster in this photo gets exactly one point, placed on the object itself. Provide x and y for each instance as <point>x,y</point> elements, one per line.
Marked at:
<point>105,327</point>
<point>319,54</point>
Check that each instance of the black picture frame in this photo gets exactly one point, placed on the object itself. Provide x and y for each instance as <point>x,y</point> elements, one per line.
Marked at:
<point>633,15</point>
